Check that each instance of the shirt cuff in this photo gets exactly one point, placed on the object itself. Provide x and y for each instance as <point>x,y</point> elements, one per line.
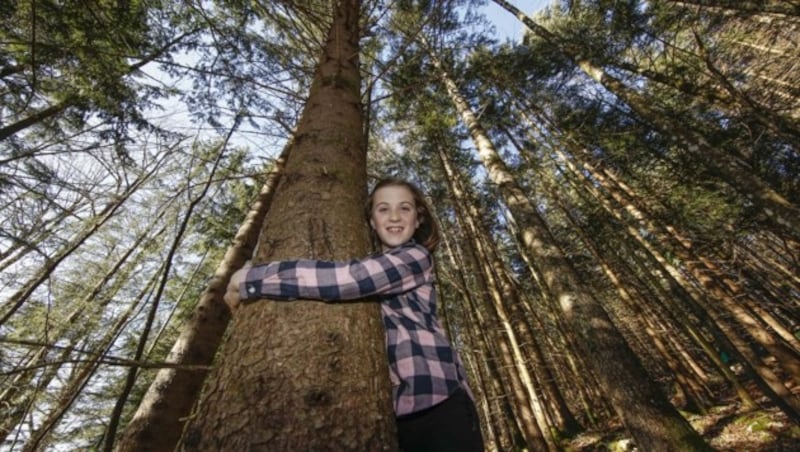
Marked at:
<point>251,287</point>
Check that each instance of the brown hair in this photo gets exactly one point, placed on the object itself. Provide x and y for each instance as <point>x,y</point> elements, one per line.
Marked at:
<point>427,234</point>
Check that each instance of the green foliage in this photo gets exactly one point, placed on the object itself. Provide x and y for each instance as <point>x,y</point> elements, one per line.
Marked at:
<point>74,54</point>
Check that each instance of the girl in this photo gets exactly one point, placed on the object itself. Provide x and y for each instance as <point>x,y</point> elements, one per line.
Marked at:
<point>432,401</point>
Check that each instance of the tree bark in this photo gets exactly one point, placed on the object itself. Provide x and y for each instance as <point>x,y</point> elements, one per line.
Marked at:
<point>305,375</point>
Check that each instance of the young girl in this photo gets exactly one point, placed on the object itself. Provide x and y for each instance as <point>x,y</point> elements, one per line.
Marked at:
<point>432,401</point>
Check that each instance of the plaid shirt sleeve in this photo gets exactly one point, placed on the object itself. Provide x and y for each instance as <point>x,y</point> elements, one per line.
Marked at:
<point>398,270</point>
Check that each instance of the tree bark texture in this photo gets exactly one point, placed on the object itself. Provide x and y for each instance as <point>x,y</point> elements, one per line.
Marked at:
<point>306,375</point>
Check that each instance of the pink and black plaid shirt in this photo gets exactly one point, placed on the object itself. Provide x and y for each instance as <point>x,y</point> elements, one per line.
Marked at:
<point>423,366</point>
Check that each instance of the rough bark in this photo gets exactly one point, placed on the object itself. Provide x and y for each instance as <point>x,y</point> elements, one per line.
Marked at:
<point>305,375</point>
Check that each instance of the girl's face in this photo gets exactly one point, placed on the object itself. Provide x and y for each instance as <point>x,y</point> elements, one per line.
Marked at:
<point>394,215</point>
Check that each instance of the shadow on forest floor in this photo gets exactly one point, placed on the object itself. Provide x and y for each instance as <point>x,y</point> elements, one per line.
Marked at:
<point>725,429</point>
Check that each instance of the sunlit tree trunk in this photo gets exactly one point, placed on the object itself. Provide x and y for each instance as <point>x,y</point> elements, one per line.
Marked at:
<point>532,422</point>
<point>306,375</point>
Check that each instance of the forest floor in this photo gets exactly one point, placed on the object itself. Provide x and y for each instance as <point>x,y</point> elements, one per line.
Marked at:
<point>725,428</point>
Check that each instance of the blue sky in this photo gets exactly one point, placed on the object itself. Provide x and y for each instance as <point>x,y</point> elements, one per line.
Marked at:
<point>506,24</point>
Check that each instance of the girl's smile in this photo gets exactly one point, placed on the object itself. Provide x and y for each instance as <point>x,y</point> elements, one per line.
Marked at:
<point>394,215</point>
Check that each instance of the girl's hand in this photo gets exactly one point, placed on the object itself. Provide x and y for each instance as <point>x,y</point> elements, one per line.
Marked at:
<point>232,297</point>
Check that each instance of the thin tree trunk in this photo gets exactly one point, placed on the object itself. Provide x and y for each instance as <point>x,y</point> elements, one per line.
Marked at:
<point>497,407</point>
<point>133,371</point>
<point>524,397</point>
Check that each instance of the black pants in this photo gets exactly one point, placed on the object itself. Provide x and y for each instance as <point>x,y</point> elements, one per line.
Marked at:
<point>451,426</point>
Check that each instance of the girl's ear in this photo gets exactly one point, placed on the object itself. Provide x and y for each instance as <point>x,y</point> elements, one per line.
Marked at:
<point>372,224</point>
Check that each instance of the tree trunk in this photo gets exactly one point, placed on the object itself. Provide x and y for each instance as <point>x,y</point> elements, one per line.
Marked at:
<point>525,400</point>
<point>647,414</point>
<point>305,375</point>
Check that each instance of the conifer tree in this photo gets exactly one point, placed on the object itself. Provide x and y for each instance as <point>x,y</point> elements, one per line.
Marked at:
<point>303,374</point>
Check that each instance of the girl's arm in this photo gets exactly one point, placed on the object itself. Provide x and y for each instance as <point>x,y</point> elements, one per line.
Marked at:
<point>398,270</point>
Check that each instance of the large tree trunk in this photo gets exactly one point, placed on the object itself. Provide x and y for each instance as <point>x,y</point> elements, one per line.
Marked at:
<point>161,415</point>
<point>305,375</point>
<point>644,410</point>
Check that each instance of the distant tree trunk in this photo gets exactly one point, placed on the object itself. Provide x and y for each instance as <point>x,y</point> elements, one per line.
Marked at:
<point>523,395</point>
<point>485,383</point>
<point>306,375</point>
<point>644,410</point>
<point>484,337</point>
<point>580,381</point>
<point>162,413</point>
